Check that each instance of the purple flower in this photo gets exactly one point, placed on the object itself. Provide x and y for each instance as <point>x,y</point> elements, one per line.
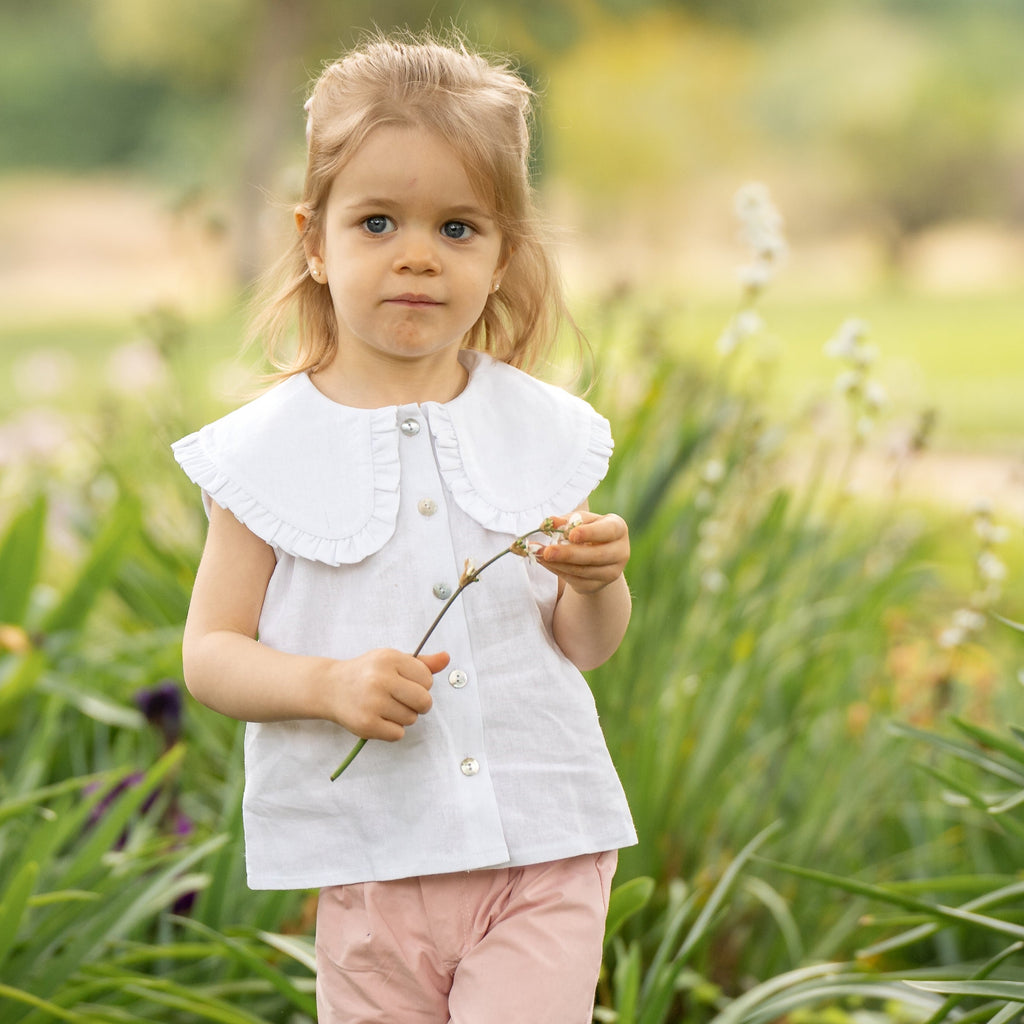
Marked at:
<point>162,706</point>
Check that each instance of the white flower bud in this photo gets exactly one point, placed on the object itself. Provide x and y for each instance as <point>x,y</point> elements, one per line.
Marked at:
<point>849,382</point>
<point>875,396</point>
<point>713,472</point>
<point>967,620</point>
<point>951,637</point>
<point>990,568</point>
<point>713,581</point>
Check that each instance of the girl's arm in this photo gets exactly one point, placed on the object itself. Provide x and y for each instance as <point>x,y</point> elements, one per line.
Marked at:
<point>374,696</point>
<point>594,602</point>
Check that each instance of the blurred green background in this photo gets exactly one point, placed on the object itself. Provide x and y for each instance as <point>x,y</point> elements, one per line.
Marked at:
<point>150,150</point>
<point>815,669</point>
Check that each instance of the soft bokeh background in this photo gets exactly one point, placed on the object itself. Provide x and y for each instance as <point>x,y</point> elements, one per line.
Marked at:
<point>824,479</point>
<point>150,150</point>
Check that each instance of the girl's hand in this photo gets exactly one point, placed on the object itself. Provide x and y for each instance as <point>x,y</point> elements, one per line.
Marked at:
<point>595,555</point>
<point>380,693</point>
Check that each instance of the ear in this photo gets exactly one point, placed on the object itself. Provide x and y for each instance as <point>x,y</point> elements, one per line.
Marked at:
<point>302,218</point>
<point>499,270</point>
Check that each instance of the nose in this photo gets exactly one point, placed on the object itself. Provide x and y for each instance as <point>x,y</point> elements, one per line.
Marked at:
<point>418,253</point>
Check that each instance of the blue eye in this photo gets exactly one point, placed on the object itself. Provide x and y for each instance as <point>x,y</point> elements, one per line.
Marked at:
<point>379,224</point>
<point>457,230</point>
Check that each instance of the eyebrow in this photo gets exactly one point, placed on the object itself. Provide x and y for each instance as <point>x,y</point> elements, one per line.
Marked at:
<point>452,212</point>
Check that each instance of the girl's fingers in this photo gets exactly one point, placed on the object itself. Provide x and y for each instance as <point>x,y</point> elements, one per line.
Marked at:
<point>585,554</point>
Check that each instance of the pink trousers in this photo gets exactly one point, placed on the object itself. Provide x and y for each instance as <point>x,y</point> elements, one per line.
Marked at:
<point>504,946</point>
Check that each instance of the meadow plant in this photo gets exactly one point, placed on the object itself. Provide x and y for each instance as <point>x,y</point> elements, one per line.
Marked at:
<point>751,713</point>
<point>989,574</point>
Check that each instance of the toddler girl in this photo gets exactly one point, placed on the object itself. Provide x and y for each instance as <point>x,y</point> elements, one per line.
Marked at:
<point>465,864</point>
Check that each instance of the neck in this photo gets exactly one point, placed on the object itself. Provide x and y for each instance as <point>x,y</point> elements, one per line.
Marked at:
<point>399,382</point>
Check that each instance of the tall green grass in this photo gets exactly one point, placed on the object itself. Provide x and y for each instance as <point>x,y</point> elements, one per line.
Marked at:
<point>750,711</point>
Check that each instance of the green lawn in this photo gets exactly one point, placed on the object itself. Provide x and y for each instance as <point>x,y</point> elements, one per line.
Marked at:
<point>963,356</point>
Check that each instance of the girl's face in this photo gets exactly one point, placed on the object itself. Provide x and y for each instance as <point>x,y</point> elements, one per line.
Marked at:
<point>410,253</point>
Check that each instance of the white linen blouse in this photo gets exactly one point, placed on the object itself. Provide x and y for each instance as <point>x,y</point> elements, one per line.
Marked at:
<point>372,515</point>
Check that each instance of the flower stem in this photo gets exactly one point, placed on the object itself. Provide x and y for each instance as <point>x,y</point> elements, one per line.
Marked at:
<point>471,576</point>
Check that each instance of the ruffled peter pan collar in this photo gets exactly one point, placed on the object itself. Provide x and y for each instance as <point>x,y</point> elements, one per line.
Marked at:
<point>320,480</point>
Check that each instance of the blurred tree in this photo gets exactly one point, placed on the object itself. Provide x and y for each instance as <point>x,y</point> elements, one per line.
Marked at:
<point>916,115</point>
<point>912,115</point>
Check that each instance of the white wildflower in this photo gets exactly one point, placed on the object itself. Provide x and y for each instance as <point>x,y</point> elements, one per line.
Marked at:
<point>704,499</point>
<point>761,230</point>
<point>847,341</point>
<point>875,396</point>
<point>755,276</point>
<point>35,435</point>
<point>967,620</point>
<point>849,382</point>
<point>713,472</point>
<point>990,568</point>
<point>748,322</point>
<point>864,427</point>
<point>45,373</point>
<point>136,368</point>
<point>714,581</point>
<point>708,551</point>
<point>951,637</point>
<point>729,340</point>
<point>989,532</point>
<point>710,528</point>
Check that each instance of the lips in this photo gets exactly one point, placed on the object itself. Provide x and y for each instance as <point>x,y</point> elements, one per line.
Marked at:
<point>413,299</point>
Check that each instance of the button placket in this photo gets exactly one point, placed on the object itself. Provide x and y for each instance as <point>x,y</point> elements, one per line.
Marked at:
<point>434,564</point>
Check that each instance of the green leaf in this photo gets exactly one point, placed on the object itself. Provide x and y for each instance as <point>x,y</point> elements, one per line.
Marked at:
<point>19,681</point>
<point>193,1000</point>
<point>117,816</point>
<point>626,900</point>
<point>992,740</point>
<point>723,888</point>
<point>99,568</point>
<point>20,554</point>
<point>1012,991</point>
<point>254,963</point>
<point>627,982</point>
<point>948,915</point>
<point>983,972</point>
<point>8,992</point>
<point>300,948</point>
<point>15,899</point>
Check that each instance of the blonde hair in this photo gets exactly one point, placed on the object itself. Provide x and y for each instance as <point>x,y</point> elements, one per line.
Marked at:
<point>483,110</point>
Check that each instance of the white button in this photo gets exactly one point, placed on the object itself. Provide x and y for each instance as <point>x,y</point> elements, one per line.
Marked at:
<point>410,427</point>
<point>458,678</point>
<point>469,766</point>
<point>442,591</point>
<point>426,506</point>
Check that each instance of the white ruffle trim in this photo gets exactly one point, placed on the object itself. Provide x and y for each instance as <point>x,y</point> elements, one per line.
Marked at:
<point>510,480</point>
<point>325,514</point>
